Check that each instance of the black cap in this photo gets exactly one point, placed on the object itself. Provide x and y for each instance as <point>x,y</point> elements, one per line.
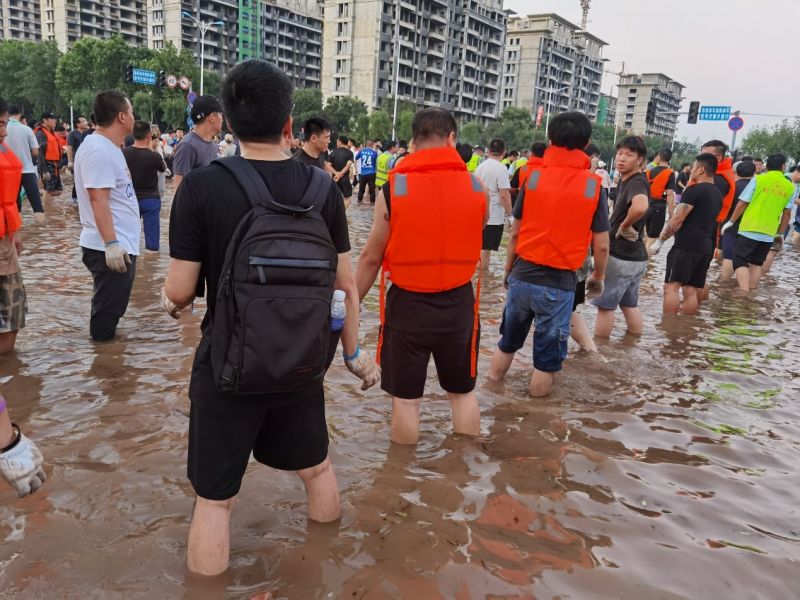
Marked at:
<point>48,115</point>
<point>204,106</point>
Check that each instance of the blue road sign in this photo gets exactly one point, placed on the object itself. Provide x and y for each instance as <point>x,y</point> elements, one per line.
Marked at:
<point>736,123</point>
<point>715,113</point>
<point>144,76</point>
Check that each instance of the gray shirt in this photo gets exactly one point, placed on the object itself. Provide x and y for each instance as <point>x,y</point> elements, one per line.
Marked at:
<point>22,140</point>
<point>192,153</point>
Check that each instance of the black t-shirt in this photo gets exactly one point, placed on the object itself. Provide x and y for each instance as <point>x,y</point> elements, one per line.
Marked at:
<point>144,165</point>
<point>74,140</point>
<point>681,182</point>
<point>340,157</point>
<point>305,157</point>
<point>620,247</point>
<point>700,227</point>
<point>739,187</point>
<point>655,172</point>
<point>722,185</point>
<point>210,203</point>
<point>547,276</point>
<point>450,311</point>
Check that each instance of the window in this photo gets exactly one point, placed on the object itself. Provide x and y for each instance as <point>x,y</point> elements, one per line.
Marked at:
<point>158,30</point>
<point>158,15</point>
<point>343,10</point>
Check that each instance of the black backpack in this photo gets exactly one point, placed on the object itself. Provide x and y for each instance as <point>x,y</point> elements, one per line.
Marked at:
<point>271,324</point>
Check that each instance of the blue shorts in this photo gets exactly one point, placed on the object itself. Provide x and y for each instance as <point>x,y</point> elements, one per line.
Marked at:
<point>622,284</point>
<point>551,309</point>
<point>728,244</point>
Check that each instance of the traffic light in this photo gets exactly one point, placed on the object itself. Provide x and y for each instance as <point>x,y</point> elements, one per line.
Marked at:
<point>129,74</point>
<point>651,113</point>
<point>162,79</point>
<point>694,110</point>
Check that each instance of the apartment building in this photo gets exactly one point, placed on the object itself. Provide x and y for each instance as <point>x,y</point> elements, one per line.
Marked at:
<point>287,33</point>
<point>445,53</point>
<point>607,110</point>
<point>20,20</point>
<point>67,21</point>
<point>636,91</point>
<point>551,63</point>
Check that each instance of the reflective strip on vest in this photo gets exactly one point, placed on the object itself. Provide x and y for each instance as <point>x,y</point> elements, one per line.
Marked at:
<point>533,180</point>
<point>591,188</point>
<point>400,185</point>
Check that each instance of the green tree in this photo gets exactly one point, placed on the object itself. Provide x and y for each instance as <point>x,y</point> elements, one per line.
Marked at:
<point>307,104</point>
<point>143,105</point>
<point>514,127</point>
<point>404,119</point>
<point>27,76</point>
<point>380,125</point>
<point>174,112</point>
<point>472,133</point>
<point>784,138</point>
<point>212,84</point>
<point>344,112</point>
<point>361,129</point>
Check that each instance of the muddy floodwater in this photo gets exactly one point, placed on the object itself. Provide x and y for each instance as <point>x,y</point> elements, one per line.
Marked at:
<point>669,471</point>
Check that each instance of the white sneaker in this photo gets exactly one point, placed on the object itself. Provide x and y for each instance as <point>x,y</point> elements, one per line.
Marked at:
<point>39,217</point>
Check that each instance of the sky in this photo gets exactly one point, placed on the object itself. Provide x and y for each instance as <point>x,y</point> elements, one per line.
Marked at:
<point>738,53</point>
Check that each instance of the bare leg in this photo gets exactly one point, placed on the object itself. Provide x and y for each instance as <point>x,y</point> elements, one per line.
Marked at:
<point>466,414</point>
<point>405,421</point>
<point>648,241</point>
<point>322,491</point>
<point>743,278</point>
<point>672,299</point>
<point>704,294</point>
<point>633,318</point>
<point>768,262</point>
<point>580,332</point>
<point>210,536</point>
<point>795,237</point>
<point>754,273</point>
<point>501,363</point>
<point>541,383</point>
<point>347,202</point>
<point>486,256</point>
<point>690,301</point>
<point>7,341</point>
<point>604,324</point>
<point>726,272</point>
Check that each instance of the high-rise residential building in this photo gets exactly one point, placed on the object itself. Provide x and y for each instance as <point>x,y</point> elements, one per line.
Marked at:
<point>67,21</point>
<point>636,92</point>
<point>607,110</point>
<point>552,65</point>
<point>20,20</point>
<point>287,33</point>
<point>445,53</point>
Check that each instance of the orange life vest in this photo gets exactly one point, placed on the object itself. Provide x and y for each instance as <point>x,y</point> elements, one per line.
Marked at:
<point>560,202</point>
<point>725,169</point>
<point>54,145</point>
<point>10,177</point>
<point>438,211</point>
<point>658,184</point>
<point>534,162</point>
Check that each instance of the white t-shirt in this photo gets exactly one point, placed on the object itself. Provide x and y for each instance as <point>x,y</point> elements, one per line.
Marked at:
<point>495,177</point>
<point>99,164</point>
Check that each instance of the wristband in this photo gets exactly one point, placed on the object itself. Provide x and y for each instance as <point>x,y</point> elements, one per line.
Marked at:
<point>354,356</point>
<point>17,438</point>
<point>111,243</point>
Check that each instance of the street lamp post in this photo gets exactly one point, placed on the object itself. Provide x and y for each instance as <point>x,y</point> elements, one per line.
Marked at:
<point>550,92</point>
<point>203,26</point>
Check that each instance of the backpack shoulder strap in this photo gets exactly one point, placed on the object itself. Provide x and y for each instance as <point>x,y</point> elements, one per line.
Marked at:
<point>317,190</point>
<point>248,179</point>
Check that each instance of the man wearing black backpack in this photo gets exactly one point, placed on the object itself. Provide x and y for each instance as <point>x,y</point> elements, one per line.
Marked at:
<point>268,237</point>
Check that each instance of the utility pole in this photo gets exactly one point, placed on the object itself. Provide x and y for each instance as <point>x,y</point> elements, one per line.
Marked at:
<point>396,65</point>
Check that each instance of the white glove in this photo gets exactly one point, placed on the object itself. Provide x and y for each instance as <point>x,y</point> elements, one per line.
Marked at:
<point>656,247</point>
<point>594,288</point>
<point>172,309</point>
<point>725,227</point>
<point>22,466</point>
<point>363,367</point>
<point>117,258</point>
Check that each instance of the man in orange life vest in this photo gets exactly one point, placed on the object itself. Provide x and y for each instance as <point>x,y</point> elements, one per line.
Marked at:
<point>534,162</point>
<point>51,149</point>
<point>662,196</point>
<point>427,235</point>
<point>557,213</point>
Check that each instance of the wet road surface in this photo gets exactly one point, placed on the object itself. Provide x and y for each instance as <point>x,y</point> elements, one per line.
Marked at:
<point>669,471</point>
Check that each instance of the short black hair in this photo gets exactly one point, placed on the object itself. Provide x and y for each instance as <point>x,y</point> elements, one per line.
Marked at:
<point>570,130</point>
<point>390,144</point>
<point>666,154</point>
<point>746,169</point>
<point>3,107</point>
<point>344,139</point>
<point>592,150</point>
<point>497,146</point>
<point>538,149</point>
<point>709,162</point>
<point>513,153</point>
<point>257,100</point>
<point>776,161</point>
<point>77,120</point>
<point>433,123</point>
<point>684,165</point>
<point>107,105</point>
<point>464,151</point>
<point>721,147</point>
<point>747,158</point>
<point>761,160</point>
<point>315,126</point>
<point>13,109</point>
<point>634,143</point>
<point>141,130</point>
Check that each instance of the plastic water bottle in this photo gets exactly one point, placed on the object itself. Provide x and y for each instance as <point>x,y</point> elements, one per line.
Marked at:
<point>338,311</point>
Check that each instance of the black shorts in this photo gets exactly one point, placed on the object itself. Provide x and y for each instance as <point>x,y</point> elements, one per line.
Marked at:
<point>748,252</point>
<point>580,295</point>
<point>405,357</point>
<point>289,435</point>
<point>345,186</point>
<point>54,185</point>
<point>687,268</point>
<point>655,218</point>
<point>492,235</point>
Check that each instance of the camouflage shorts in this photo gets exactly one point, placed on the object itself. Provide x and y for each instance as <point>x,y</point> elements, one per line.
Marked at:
<point>54,185</point>
<point>13,303</point>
